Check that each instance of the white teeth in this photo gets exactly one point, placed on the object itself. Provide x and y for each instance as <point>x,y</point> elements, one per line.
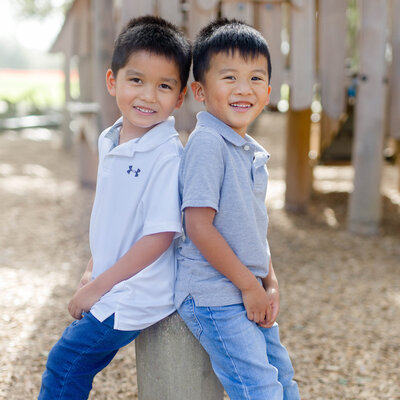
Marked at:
<point>241,105</point>
<point>144,110</point>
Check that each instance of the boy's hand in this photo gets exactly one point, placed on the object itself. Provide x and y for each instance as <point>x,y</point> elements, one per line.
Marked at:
<point>86,278</point>
<point>273,297</point>
<point>257,303</point>
<point>83,300</point>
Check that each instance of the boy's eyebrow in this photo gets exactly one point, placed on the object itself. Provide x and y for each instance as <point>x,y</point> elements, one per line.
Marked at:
<point>164,79</point>
<point>225,70</point>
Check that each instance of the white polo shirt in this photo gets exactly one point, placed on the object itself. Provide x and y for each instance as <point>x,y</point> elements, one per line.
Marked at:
<point>136,195</point>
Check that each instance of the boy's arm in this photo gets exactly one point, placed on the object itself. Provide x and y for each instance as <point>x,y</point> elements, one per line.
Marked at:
<point>270,284</point>
<point>213,246</point>
<point>87,274</point>
<point>143,253</point>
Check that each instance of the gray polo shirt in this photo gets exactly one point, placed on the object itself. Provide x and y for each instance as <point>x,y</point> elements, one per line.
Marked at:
<point>222,170</point>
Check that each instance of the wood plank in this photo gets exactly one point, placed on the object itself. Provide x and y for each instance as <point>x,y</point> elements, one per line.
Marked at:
<point>129,9</point>
<point>302,54</point>
<point>200,13</point>
<point>240,10</point>
<point>298,166</point>
<point>268,20</point>
<point>365,201</point>
<point>171,11</point>
<point>103,43</point>
<point>332,54</point>
<point>394,99</point>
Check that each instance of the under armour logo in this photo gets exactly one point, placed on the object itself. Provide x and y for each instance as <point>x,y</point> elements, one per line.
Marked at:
<point>136,172</point>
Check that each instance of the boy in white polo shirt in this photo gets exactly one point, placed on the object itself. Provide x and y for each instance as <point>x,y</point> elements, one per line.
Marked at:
<point>129,281</point>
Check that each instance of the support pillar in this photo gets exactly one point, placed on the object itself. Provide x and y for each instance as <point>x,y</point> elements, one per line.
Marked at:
<point>365,201</point>
<point>172,365</point>
<point>298,167</point>
<point>103,43</point>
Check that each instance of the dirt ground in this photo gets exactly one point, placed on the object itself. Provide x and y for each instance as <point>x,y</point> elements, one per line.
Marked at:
<point>340,293</point>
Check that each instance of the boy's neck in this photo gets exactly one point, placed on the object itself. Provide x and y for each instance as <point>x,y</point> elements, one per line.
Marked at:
<point>126,134</point>
<point>241,134</point>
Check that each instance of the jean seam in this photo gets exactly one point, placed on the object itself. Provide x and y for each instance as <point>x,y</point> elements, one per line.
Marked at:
<point>193,310</point>
<point>81,356</point>
<point>246,393</point>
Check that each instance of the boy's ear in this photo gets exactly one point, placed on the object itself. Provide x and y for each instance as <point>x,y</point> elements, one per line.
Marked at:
<point>198,91</point>
<point>181,97</point>
<point>269,94</point>
<point>110,82</point>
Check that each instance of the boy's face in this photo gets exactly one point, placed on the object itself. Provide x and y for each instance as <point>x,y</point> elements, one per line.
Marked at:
<point>234,90</point>
<point>147,90</point>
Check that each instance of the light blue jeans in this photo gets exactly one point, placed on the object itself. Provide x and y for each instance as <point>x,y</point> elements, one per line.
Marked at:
<point>250,361</point>
<point>84,349</point>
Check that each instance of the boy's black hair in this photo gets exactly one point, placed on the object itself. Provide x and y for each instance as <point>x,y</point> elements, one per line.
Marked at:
<point>154,35</point>
<point>224,35</point>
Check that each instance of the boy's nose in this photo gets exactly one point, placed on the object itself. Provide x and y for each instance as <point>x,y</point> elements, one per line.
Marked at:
<point>243,88</point>
<point>148,94</point>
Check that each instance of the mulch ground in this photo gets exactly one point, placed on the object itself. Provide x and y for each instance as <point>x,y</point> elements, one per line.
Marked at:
<point>340,293</point>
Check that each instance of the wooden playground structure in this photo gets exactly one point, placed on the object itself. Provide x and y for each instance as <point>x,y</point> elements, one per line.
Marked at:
<point>342,55</point>
<point>318,54</point>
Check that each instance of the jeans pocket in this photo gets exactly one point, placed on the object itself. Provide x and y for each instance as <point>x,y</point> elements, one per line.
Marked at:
<point>187,311</point>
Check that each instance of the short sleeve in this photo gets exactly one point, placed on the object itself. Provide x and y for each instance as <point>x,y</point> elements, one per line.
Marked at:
<point>161,205</point>
<point>202,171</point>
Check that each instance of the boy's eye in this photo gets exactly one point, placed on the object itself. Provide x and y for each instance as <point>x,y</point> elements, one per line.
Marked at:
<point>165,86</point>
<point>136,80</point>
<point>256,78</point>
<point>229,77</point>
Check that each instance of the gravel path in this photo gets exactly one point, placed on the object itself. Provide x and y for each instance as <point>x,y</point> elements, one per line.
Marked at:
<point>340,293</point>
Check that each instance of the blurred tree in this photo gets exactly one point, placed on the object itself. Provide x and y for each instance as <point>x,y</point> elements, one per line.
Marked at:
<point>42,8</point>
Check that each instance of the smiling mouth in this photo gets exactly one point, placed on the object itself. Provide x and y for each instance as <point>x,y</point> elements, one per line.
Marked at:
<point>241,106</point>
<point>144,110</point>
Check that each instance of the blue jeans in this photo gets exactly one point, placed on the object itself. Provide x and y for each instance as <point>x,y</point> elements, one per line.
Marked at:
<point>84,349</point>
<point>250,361</point>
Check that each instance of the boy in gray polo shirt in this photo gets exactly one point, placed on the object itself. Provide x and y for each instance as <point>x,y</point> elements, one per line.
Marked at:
<point>226,289</point>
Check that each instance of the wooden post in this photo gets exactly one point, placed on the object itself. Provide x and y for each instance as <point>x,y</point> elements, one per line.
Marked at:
<point>298,169</point>
<point>200,13</point>
<point>332,53</point>
<point>365,201</point>
<point>268,20</point>
<point>67,134</point>
<point>394,99</point>
<point>302,72</point>
<point>171,11</point>
<point>103,41</point>
<point>129,9</point>
<point>242,10</point>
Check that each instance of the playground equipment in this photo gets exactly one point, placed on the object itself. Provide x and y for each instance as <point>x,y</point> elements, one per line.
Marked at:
<point>309,43</point>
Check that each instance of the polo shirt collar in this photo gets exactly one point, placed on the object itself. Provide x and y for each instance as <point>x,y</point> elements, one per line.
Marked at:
<point>206,119</point>
<point>156,136</point>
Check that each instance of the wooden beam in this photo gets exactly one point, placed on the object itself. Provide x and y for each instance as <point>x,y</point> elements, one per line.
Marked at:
<point>298,166</point>
<point>103,41</point>
<point>129,9</point>
<point>394,99</point>
<point>302,54</point>
<point>268,20</point>
<point>200,13</point>
<point>332,53</point>
<point>171,11</point>
<point>365,201</point>
<point>302,71</point>
<point>243,11</point>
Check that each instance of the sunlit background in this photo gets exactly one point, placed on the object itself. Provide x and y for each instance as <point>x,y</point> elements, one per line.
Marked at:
<point>340,292</point>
